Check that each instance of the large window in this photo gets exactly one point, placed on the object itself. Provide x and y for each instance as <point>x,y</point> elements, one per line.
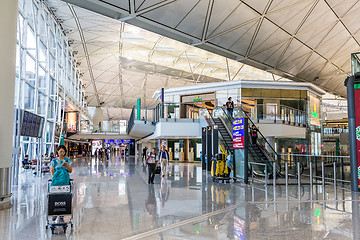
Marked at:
<point>44,65</point>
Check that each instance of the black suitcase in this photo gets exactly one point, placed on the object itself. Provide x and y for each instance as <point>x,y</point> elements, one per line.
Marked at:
<point>158,168</point>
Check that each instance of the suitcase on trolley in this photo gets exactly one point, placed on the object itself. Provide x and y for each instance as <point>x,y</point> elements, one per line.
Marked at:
<point>60,206</point>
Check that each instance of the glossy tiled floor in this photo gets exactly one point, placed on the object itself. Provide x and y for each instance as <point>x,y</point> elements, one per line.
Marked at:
<point>113,201</point>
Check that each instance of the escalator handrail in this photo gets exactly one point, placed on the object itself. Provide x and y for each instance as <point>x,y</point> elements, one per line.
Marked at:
<point>223,121</point>
<point>227,146</point>
<point>247,116</point>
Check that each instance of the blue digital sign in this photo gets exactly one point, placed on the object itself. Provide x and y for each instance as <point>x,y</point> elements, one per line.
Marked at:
<point>238,134</point>
<point>117,141</point>
<point>238,127</point>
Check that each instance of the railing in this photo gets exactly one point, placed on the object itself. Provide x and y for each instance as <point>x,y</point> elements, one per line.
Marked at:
<point>331,131</point>
<point>317,160</point>
<point>106,127</point>
<point>174,111</point>
<point>219,112</point>
<point>146,115</point>
<point>252,164</point>
<point>261,138</point>
<point>275,113</point>
<point>131,120</point>
<point>210,120</point>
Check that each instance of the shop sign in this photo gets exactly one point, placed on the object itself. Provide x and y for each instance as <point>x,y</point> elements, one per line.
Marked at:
<point>238,134</point>
<point>314,113</point>
<point>357,124</point>
<point>197,99</point>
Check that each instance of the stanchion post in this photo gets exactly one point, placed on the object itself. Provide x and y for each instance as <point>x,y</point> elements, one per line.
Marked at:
<point>252,175</point>
<point>323,182</point>
<point>274,174</point>
<point>335,181</point>
<point>298,173</point>
<point>266,176</point>
<point>311,175</point>
<point>323,174</point>
<point>286,174</point>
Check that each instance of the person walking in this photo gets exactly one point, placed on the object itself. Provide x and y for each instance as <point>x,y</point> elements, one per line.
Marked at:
<point>101,153</point>
<point>230,106</point>
<point>144,153</point>
<point>164,160</point>
<point>151,162</point>
<point>60,168</point>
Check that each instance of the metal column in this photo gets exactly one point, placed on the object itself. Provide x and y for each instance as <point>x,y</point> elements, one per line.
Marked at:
<point>215,140</point>
<point>209,147</point>
<point>203,144</point>
<point>349,83</point>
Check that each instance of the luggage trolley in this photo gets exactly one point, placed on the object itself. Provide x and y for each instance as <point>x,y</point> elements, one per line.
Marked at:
<point>59,206</point>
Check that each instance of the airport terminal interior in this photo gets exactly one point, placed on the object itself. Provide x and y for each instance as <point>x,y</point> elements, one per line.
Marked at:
<point>180,119</point>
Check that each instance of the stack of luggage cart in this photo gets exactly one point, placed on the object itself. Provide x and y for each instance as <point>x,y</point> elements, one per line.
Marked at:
<point>59,206</point>
<point>219,169</point>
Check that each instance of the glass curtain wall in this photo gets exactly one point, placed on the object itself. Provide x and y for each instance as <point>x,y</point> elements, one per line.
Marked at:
<point>46,74</point>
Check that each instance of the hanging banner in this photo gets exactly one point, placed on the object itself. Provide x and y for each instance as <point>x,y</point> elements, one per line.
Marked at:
<point>357,124</point>
<point>238,134</point>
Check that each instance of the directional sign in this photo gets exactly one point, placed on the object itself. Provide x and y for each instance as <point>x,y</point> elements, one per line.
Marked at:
<point>238,134</point>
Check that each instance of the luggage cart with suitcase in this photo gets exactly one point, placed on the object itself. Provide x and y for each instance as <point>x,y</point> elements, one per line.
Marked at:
<point>60,205</point>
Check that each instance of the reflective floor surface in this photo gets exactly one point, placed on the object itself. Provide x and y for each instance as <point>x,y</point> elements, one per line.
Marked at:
<point>112,200</point>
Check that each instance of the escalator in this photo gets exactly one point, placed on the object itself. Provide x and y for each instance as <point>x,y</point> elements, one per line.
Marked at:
<point>261,152</point>
<point>225,135</point>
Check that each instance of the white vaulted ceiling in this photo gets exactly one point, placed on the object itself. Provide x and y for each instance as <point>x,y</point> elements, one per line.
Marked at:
<point>304,40</point>
<point>120,62</point>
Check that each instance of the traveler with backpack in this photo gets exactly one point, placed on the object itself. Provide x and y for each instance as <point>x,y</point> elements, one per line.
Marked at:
<point>151,162</point>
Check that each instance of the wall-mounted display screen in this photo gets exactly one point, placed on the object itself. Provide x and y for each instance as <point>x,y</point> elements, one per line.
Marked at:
<point>32,125</point>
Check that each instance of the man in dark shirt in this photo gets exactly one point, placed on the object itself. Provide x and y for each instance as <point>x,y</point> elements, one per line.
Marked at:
<point>144,153</point>
<point>230,106</point>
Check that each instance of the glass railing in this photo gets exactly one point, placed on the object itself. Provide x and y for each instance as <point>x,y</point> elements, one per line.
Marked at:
<point>220,112</point>
<point>331,131</point>
<point>173,111</point>
<point>209,117</point>
<point>275,113</point>
<point>316,162</point>
<point>108,127</point>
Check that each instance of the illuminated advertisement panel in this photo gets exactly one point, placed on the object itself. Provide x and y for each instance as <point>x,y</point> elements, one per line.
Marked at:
<point>72,121</point>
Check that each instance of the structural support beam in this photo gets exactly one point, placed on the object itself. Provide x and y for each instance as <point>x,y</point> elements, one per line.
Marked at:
<point>8,22</point>
<point>83,42</point>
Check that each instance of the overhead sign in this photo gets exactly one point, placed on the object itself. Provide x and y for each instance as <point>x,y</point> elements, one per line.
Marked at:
<point>238,134</point>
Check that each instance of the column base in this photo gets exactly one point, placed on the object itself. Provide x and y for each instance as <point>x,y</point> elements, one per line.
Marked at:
<point>5,203</point>
<point>5,188</point>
